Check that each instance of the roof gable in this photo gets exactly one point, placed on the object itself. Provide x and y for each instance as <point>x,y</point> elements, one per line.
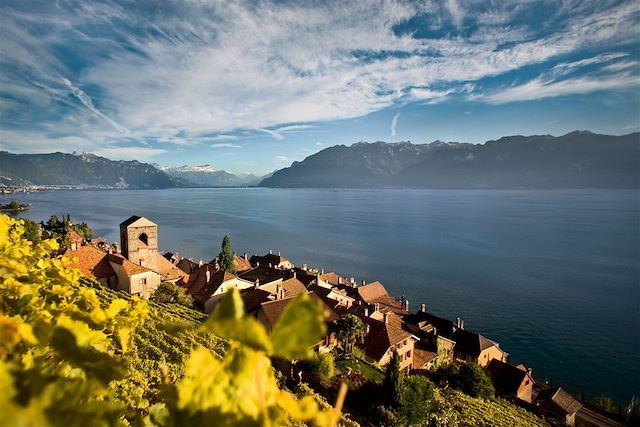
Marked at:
<point>138,221</point>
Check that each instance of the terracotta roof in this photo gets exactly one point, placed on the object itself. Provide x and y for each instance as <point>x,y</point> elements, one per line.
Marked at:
<point>292,287</point>
<point>91,262</point>
<point>383,336</point>
<point>187,265</point>
<point>333,278</point>
<point>371,292</point>
<point>506,378</point>
<point>167,270</point>
<point>253,298</point>
<point>129,268</point>
<point>138,221</point>
<point>241,264</point>
<point>273,309</point>
<point>201,289</point>
<point>561,399</point>
<point>273,259</point>
<point>264,274</point>
<point>467,342</point>
<point>304,276</point>
<point>422,356</point>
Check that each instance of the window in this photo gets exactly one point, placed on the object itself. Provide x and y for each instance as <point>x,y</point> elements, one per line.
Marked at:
<point>407,355</point>
<point>143,281</point>
<point>526,382</point>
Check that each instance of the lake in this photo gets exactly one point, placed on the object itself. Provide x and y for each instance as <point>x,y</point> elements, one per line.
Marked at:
<point>553,276</point>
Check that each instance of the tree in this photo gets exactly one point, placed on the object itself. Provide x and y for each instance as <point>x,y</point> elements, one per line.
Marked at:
<point>171,293</point>
<point>392,381</point>
<point>225,258</point>
<point>415,400</point>
<point>322,368</point>
<point>349,330</point>
<point>32,231</point>
<point>14,205</point>
<point>474,381</point>
<point>53,222</point>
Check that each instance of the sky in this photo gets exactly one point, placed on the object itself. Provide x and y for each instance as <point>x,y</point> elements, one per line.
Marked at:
<point>251,86</point>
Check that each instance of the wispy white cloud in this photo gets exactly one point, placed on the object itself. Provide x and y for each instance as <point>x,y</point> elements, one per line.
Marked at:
<point>225,145</point>
<point>394,124</point>
<point>129,153</point>
<point>218,68</point>
<point>282,159</point>
<point>539,89</point>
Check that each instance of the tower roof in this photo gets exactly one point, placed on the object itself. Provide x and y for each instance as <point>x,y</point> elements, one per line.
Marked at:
<point>138,221</point>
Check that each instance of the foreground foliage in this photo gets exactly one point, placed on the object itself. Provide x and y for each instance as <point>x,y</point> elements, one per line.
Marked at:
<point>75,354</point>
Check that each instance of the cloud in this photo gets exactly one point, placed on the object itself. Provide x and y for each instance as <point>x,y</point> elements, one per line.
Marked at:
<point>282,158</point>
<point>218,68</point>
<point>129,153</point>
<point>274,134</point>
<point>87,102</point>
<point>225,145</point>
<point>539,89</point>
<point>394,124</point>
<point>224,138</point>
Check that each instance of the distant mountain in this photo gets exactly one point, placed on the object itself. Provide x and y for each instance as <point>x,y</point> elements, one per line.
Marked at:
<point>79,170</point>
<point>207,176</point>
<point>577,160</point>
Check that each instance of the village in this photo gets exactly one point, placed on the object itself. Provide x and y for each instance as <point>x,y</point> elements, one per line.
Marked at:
<point>268,283</point>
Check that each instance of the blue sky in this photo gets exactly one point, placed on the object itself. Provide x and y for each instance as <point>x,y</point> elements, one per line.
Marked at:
<point>252,86</point>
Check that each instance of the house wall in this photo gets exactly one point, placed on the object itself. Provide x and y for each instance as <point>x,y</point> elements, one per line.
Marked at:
<point>213,300</point>
<point>135,250</point>
<point>405,351</point>
<point>144,289</point>
<point>486,356</point>
<point>525,389</point>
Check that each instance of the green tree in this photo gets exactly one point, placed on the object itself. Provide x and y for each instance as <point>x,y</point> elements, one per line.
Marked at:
<point>225,258</point>
<point>32,231</point>
<point>171,293</point>
<point>415,400</point>
<point>474,381</point>
<point>349,330</point>
<point>392,381</point>
<point>14,205</point>
<point>322,368</point>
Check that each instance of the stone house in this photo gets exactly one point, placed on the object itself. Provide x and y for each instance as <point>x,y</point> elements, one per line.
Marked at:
<point>271,260</point>
<point>386,335</point>
<point>511,381</point>
<point>557,403</point>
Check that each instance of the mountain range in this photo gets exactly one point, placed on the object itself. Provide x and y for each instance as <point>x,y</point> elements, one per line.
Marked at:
<point>208,176</point>
<point>579,159</point>
<point>79,170</point>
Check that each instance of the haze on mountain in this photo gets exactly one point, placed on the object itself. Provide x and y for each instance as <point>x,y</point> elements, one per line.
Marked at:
<point>208,176</point>
<point>579,159</point>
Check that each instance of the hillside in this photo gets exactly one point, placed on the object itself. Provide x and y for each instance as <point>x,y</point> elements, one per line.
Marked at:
<point>79,170</point>
<point>575,160</point>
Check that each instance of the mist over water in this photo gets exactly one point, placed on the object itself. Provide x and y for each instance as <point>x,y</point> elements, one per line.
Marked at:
<point>553,276</point>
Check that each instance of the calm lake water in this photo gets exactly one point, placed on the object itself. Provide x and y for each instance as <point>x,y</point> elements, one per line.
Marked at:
<point>554,276</point>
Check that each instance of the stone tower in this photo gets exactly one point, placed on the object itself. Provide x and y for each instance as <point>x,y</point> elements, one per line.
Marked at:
<point>139,241</point>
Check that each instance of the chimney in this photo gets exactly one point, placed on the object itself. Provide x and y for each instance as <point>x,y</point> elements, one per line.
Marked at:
<point>257,263</point>
<point>352,280</point>
<point>278,253</point>
<point>457,322</point>
<point>257,285</point>
<point>322,271</point>
<point>366,312</point>
<point>245,257</point>
<point>386,318</point>
<point>278,288</point>
<point>270,252</point>
<point>294,274</point>
<point>200,263</point>
<point>461,324</point>
<point>376,307</point>
<point>110,250</point>
<point>364,282</point>
<point>423,308</point>
<point>406,305</point>
<point>208,275</point>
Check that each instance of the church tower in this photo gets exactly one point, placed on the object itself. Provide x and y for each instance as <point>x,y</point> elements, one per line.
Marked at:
<point>139,241</point>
